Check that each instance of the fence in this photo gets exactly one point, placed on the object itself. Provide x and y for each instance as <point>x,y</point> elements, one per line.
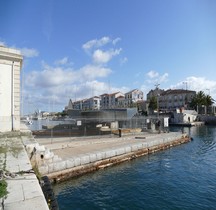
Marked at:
<point>96,127</point>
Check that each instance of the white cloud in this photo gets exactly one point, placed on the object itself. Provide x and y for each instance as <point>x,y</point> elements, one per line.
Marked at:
<point>155,77</point>
<point>58,82</point>
<point>198,84</point>
<point>100,56</point>
<point>2,43</point>
<point>29,52</point>
<point>115,41</point>
<point>95,43</point>
<point>152,74</point>
<point>164,78</point>
<point>90,72</point>
<point>62,61</point>
<point>50,77</point>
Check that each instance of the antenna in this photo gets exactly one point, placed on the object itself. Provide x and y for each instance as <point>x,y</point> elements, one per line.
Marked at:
<point>185,85</point>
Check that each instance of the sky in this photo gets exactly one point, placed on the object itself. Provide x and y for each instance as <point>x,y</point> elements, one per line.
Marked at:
<point>76,49</point>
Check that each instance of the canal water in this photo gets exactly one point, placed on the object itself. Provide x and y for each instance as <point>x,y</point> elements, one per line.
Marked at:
<point>183,177</point>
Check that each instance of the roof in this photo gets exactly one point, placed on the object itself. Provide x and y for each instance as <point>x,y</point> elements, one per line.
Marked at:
<point>131,91</point>
<point>111,94</point>
<point>177,91</point>
<point>192,112</point>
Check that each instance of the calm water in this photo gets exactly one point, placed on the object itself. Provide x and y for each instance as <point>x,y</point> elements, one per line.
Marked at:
<point>183,177</point>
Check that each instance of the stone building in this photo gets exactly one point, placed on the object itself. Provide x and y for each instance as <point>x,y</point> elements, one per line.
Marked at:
<point>177,98</point>
<point>10,67</point>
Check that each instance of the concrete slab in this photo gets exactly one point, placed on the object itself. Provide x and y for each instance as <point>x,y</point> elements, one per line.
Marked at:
<point>24,191</point>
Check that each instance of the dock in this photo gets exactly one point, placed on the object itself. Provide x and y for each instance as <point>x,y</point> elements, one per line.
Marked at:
<point>64,158</point>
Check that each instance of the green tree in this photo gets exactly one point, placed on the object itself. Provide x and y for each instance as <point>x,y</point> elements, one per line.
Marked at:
<point>153,103</point>
<point>201,100</point>
<point>198,100</point>
<point>209,101</point>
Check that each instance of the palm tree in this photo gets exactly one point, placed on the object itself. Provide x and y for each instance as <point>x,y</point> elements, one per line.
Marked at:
<point>198,100</point>
<point>201,100</point>
<point>209,101</point>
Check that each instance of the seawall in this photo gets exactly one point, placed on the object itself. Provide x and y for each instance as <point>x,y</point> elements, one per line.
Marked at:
<point>76,157</point>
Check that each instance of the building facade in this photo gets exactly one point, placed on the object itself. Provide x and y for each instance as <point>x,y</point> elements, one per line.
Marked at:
<point>91,103</point>
<point>110,101</point>
<point>132,97</point>
<point>177,98</point>
<point>10,67</point>
<point>154,93</point>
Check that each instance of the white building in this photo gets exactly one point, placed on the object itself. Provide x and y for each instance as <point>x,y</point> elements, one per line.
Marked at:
<point>184,116</point>
<point>10,67</point>
<point>109,101</point>
<point>91,103</point>
<point>133,96</point>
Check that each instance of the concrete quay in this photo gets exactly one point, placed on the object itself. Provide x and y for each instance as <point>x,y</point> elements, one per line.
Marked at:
<point>23,188</point>
<point>76,156</point>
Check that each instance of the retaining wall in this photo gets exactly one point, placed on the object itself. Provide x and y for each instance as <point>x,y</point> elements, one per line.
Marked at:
<point>65,169</point>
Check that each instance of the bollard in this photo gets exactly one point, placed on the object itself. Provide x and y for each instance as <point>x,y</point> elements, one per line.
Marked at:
<point>120,132</point>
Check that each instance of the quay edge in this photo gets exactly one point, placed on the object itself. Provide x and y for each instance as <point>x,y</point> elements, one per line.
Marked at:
<point>128,153</point>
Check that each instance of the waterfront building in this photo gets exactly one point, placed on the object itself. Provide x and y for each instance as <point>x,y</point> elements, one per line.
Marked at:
<point>177,98</point>
<point>92,103</point>
<point>10,67</point>
<point>132,97</point>
<point>154,93</point>
<point>184,116</point>
<point>109,101</point>
<point>78,104</point>
<point>170,100</point>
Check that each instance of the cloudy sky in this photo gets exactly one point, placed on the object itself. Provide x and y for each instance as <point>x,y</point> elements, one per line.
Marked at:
<point>80,48</point>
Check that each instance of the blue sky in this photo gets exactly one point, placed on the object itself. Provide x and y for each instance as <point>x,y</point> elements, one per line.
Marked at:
<point>80,48</point>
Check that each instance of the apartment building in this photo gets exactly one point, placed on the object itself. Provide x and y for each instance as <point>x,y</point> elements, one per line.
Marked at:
<point>132,97</point>
<point>109,101</point>
<point>10,67</point>
<point>178,98</point>
<point>154,93</point>
<point>91,103</point>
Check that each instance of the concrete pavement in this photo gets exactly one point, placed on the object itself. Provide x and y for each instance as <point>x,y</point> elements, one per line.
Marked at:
<point>24,191</point>
<point>74,156</point>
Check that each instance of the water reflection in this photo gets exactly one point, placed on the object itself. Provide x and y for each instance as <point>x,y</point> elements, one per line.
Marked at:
<point>182,177</point>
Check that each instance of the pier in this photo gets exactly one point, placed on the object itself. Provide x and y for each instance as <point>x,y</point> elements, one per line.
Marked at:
<point>64,158</point>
